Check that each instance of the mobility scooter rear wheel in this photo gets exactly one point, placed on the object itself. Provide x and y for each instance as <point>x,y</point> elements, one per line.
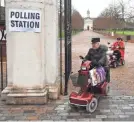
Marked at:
<point>91,107</point>
<point>122,62</point>
<point>107,89</point>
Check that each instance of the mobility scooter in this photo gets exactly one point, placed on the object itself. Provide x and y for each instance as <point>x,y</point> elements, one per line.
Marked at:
<point>112,53</point>
<point>91,86</point>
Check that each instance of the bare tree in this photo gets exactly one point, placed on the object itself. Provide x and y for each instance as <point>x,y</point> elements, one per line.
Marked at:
<point>77,20</point>
<point>130,14</point>
<point>111,11</point>
<point>62,1</point>
<point>120,10</point>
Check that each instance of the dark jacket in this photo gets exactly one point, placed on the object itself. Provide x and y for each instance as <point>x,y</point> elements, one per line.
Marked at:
<point>98,56</point>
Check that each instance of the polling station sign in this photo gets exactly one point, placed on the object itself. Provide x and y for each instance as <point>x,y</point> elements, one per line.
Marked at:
<point>24,20</point>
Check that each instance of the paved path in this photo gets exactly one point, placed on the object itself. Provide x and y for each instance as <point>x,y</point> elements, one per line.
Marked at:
<point>121,77</point>
<point>118,106</point>
<point>111,108</point>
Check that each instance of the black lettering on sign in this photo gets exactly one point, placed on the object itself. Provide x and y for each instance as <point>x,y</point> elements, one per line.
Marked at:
<point>32,24</point>
<point>12,14</point>
<point>21,20</point>
<point>25,15</point>
<point>17,15</point>
<point>21,15</point>
<point>28,25</point>
<point>24,24</point>
<point>32,16</point>
<point>37,25</point>
<point>17,24</point>
<point>12,23</point>
<point>20,24</point>
<point>37,16</point>
<point>28,16</point>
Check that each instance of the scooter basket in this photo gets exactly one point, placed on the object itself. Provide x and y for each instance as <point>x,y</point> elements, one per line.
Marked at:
<point>82,79</point>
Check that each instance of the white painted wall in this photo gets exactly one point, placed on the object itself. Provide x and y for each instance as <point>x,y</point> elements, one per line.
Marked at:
<point>51,43</point>
<point>32,57</point>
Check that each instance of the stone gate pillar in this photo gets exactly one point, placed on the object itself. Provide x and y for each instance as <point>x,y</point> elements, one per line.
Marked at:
<point>32,55</point>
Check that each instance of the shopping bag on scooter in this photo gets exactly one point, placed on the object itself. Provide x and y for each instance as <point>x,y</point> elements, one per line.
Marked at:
<point>102,74</point>
<point>98,75</point>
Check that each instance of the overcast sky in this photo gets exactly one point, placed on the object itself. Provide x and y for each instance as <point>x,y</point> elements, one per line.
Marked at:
<point>95,6</point>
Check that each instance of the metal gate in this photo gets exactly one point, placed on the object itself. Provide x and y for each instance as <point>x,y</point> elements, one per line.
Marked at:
<point>3,57</point>
<point>68,40</point>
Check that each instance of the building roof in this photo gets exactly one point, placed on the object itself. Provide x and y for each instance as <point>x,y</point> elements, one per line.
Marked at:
<point>88,18</point>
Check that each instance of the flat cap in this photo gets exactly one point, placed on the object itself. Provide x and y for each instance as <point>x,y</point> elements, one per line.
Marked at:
<point>94,40</point>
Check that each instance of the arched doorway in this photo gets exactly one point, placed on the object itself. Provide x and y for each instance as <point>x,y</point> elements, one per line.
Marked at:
<point>87,27</point>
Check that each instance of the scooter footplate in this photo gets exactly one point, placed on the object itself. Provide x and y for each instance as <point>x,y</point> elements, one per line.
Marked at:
<point>78,102</point>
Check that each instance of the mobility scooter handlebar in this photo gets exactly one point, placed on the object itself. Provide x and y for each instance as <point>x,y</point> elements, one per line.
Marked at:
<point>81,57</point>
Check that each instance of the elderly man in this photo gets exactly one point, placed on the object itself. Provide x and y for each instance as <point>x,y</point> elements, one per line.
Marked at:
<point>97,56</point>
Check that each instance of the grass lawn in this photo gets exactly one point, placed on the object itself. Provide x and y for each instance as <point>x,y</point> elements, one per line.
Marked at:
<point>125,32</point>
<point>120,32</point>
<point>73,33</point>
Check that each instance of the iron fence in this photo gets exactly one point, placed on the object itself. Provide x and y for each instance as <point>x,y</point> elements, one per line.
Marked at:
<point>3,57</point>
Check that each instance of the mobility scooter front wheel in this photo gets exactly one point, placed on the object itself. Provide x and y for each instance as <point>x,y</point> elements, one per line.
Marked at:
<point>91,107</point>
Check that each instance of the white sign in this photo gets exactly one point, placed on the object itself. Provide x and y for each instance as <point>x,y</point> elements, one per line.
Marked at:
<point>24,20</point>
